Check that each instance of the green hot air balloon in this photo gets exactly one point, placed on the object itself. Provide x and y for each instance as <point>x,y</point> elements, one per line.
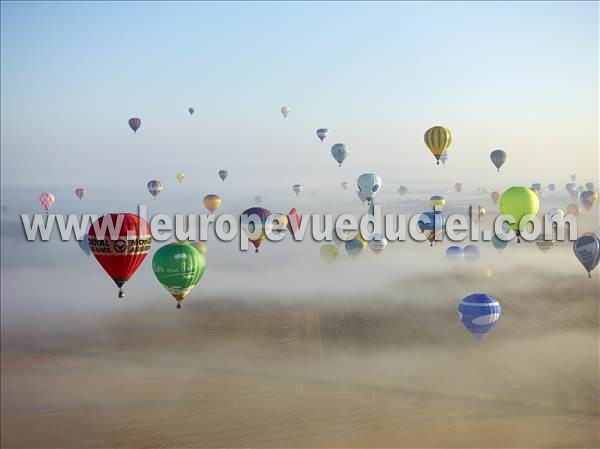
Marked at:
<point>518,202</point>
<point>178,266</point>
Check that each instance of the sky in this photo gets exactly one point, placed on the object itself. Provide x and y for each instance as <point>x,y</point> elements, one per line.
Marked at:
<point>518,76</point>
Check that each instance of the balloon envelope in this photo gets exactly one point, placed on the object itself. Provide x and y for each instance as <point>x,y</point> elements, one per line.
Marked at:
<point>339,152</point>
<point>154,187</point>
<point>134,124</point>
<point>178,266</point>
<point>322,133</point>
<point>212,202</point>
<point>329,252</point>
<point>455,253</point>
<point>519,202</point>
<point>438,139</point>
<point>46,199</point>
<point>587,251</point>
<point>479,313</point>
<point>368,185</point>
<point>80,192</point>
<point>498,157</point>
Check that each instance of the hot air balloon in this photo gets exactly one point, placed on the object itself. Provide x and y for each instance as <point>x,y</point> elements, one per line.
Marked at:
<point>154,187</point>
<point>402,190</point>
<point>555,215</point>
<point>297,188</point>
<point>191,110</point>
<point>574,195</point>
<point>223,174</point>
<point>200,246</point>
<point>122,253</point>
<point>438,140</point>
<point>536,186</point>
<point>134,124</point>
<point>455,253</point>
<point>573,178</point>
<point>444,157</point>
<point>432,236</point>
<point>590,186</point>
<point>471,252</point>
<point>573,209</point>
<point>212,202</point>
<point>329,252</point>
<point>458,187</point>
<point>285,111</point>
<point>249,229</point>
<point>588,199</point>
<point>519,202</point>
<point>480,214</point>
<point>178,266</point>
<point>179,177</point>
<point>46,199</point>
<point>294,221</point>
<point>258,199</point>
<point>498,157</point>
<point>587,250</point>
<point>495,197</point>
<point>345,185</point>
<point>545,242</point>
<point>552,187</point>
<point>369,184</point>
<point>339,152</point>
<point>280,223</point>
<point>479,313</point>
<point>498,243</point>
<point>322,133</point>
<point>356,246</point>
<point>84,244</point>
<point>377,243</point>
<point>80,192</point>
<point>431,221</point>
<point>437,201</point>
<point>570,187</point>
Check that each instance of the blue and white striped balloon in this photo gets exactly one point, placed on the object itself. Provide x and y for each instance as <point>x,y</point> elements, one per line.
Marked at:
<point>154,187</point>
<point>479,313</point>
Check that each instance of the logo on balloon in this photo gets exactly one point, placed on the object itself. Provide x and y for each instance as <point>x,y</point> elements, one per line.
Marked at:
<point>120,245</point>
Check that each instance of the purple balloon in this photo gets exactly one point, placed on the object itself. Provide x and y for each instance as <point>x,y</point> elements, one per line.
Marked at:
<point>135,123</point>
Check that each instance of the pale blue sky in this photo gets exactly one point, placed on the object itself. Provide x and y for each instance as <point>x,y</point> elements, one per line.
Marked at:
<point>522,77</point>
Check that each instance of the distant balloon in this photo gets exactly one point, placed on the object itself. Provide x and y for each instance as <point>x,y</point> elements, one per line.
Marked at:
<point>280,223</point>
<point>479,313</point>
<point>46,199</point>
<point>345,185</point>
<point>573,209</point>
<point>223,174</point>
<point>378,243</point>
<point>431,221</point>
<point>249,228</point>
<point>587,250</point>
<point>545,242</point>
<point>519,202</point>
<point>179,177</point>
<point>458,187</point>
<point>297,188</point>
<point>134,124</point>
<point>580,189</point>
<point>121,254</point>
<point>84,244</point>
<point>80,192</point>
<point>588,199</point>
<point>570,187</point>
<point>455,253</point>
<point>555,215</point>
<point>552,187</point>
<point>322,133</point>
<point>402,190</point>
<point>154,187</point>
<point>437,201</point>
<point>285,111</point>
<point>498,158</point>
<point>339,152</point>
<point>495,197</point>
<point>573,178</point>
<point>536,186</point>
<point>438,139</point>
<point>574,195</point>
<point>590,186</point>
<point>498,243</point>
<point>294,221</point>
<point>369,184</point>
<point>356,246</point>
<point>471,252</point>
<point>258,199</point>
<point>329,252</point>
<point>178,266</point>
<point>212,202</point>
<point>191,110</point>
